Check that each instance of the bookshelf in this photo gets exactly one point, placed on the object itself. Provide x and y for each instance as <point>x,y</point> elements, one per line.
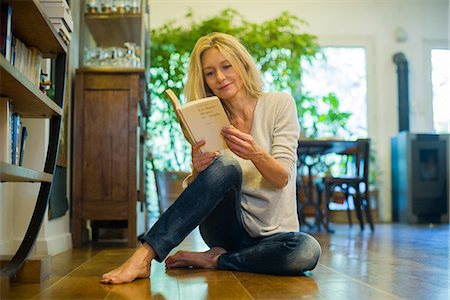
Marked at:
<point>30,102</point>
<point>13,173</point>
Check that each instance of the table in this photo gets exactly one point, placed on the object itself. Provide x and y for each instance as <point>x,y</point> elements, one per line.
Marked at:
<point>309,148</point>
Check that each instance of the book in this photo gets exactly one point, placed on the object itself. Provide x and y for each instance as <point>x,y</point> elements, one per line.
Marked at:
<point>58,10</point>
<point>6,31</point>
<point>23,139</point>
<point>16,127</point>
<point>5,130</point>
<point>201,119</point>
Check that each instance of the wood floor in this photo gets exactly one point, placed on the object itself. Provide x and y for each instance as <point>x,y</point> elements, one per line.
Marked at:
<point>395,262</point>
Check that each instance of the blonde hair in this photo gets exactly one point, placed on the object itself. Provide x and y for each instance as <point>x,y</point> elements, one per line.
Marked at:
<point>234,52</point>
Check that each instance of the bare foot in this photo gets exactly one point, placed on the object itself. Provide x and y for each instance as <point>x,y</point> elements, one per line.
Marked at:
<point>137,266</point>
<point>201,260</point>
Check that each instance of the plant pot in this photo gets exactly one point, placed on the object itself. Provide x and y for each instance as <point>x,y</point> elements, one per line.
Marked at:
<point>168,187</point>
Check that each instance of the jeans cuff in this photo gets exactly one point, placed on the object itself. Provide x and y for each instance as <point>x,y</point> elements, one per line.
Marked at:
<point>159,256</point>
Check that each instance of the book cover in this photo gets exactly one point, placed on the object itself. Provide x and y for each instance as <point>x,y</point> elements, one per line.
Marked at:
<point>202,119</point>
<point>6,30</point>
<point>15,133</point>
<point>23,140</point>
<point>5,130</point>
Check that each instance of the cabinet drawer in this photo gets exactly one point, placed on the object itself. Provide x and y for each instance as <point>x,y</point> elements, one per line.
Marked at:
<point>106,82</point>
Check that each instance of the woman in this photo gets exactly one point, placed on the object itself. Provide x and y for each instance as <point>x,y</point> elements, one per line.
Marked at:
<point>244,197</point>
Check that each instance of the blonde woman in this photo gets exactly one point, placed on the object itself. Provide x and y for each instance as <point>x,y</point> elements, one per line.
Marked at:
<point>243,198</point>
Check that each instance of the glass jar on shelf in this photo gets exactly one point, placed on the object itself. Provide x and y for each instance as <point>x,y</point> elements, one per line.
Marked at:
<point>92,7</point>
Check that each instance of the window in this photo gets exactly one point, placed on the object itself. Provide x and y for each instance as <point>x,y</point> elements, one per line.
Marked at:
<point>440,77</point>
<point>342,71</point>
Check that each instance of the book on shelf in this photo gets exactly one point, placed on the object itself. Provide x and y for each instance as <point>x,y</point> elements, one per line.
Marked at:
<point>16,129</point>
<point>5,130</point>
<point>28,60</point>
<point>23,139</point>
<point>6,36</point>
<point>58,11</point>
<point>201,119</point>
<point>60,16</point>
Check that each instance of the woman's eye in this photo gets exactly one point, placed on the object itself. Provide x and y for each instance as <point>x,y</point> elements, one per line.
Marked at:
<point>227,66</point>
<point>208,74</point>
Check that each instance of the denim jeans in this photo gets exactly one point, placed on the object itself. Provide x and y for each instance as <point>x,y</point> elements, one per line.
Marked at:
<point>212,201</point>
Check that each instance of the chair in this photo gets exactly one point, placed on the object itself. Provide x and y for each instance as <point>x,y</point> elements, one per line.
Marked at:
<point>353,184</point>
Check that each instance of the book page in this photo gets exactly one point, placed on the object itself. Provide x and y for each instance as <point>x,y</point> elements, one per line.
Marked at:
<point>205,119</point>
<point>176,107</point>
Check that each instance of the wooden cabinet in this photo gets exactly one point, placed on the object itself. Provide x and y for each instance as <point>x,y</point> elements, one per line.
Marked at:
<point>107,150</point>
<point>33,28</point>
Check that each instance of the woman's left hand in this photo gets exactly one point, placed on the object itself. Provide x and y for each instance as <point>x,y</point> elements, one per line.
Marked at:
<point>244,146</point>
<point>241,144</point>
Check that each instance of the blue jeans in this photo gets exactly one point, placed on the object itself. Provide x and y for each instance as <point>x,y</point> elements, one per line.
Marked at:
<point>212,201</point>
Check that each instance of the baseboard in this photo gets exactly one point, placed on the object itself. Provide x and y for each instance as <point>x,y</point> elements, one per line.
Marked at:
<point>54,245</point>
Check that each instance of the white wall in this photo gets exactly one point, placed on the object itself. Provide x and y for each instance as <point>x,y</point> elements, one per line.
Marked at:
<point>368,23</point>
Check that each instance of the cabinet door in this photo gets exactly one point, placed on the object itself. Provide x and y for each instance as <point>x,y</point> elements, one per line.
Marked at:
<point>105,151</point>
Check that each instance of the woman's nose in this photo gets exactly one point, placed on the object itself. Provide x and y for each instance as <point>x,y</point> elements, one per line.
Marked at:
<point>220,76</point>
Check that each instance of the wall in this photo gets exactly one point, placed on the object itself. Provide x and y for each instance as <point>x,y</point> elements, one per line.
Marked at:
<point>368,23</point>
<point>17,200</point>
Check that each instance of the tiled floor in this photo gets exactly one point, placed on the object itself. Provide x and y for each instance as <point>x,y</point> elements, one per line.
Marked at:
<point>395,262</point>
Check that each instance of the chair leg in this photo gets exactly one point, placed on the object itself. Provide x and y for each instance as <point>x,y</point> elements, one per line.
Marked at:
<point>368,212</point>
<point>357,202</point>
<point>349,212</point>
<point>326,209</point>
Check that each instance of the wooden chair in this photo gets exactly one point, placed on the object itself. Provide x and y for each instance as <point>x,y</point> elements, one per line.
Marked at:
<point>353,184</point>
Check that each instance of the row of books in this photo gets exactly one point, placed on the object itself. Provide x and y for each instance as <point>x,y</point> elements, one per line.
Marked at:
<point>13,135</point>
<point>27,59</point>
<point>59,13</point>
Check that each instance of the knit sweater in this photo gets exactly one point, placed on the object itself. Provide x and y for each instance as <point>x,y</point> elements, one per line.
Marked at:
<point>266,209</point>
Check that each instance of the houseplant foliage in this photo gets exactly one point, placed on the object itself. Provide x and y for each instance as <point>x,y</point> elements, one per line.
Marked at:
<point>277,46</point>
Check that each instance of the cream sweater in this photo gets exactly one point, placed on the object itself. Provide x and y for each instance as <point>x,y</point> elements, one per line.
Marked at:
<point>266,209</point>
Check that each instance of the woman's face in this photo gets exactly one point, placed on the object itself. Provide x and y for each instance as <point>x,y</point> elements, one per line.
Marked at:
<point>220,75</point>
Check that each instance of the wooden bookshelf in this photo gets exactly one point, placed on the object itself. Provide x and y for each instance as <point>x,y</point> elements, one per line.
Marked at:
<point>13,173</point>
<point>30,24</point>
<point>28,100</point>
<point>33,28</point>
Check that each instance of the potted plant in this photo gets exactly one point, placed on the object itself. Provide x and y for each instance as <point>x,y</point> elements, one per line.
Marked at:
<point>277,47</point>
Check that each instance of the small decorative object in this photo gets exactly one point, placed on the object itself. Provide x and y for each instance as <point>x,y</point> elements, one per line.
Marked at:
<point>44,83</point>
<point>120,6</point>
<point>127,6</point>
<point>135,6</point>
<point>92,7</point>
<point>106,6</point>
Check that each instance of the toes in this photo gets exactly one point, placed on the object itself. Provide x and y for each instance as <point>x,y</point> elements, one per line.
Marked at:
<point>106,280</point>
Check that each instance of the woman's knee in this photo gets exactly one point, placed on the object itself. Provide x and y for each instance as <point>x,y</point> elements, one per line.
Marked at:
<point>225,167</point>
<point>305,253</point>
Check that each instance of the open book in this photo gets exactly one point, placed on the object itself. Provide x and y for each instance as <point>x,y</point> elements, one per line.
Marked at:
<point>201,119</point>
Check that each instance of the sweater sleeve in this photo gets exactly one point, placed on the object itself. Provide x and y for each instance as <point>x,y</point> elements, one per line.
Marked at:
<point>286,132</point>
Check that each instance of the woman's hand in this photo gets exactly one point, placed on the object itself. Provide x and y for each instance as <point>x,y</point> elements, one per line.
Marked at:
<point>244,146</point>
<point>241,144</point>
<point>201,161</point>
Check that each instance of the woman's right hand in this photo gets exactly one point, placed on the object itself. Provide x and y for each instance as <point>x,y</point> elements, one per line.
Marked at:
<point>201,161</point>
